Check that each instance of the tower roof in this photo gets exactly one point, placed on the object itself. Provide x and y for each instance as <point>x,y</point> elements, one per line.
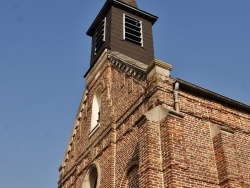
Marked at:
<point>130,2</point>
<point>132,7</point>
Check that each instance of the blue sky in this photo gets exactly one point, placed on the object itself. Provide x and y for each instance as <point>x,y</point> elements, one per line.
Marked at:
<point>44,53</point>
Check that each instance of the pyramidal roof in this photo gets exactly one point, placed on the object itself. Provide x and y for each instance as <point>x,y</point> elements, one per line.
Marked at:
<point>130,2</point>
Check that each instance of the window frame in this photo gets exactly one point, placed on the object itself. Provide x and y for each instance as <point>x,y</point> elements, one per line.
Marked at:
<point>96,110</point>
<point>98,39</point>
<point>92,177</point>
<point>125,29</point>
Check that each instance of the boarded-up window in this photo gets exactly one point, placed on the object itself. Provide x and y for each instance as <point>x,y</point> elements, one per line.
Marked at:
<point>133,178</point>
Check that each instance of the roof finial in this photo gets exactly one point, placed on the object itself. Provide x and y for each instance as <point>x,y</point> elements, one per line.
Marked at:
<point>130,2</point>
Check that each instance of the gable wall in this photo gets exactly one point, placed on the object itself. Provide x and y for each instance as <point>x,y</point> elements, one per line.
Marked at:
<point>207,146</point>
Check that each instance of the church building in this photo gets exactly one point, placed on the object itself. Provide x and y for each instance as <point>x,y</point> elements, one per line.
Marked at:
<point>137,127</point>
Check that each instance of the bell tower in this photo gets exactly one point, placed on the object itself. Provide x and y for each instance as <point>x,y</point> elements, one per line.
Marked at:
<point>110,144</point>
<point>121,27</point>
<point>137,127</point>
<point>130,2</point>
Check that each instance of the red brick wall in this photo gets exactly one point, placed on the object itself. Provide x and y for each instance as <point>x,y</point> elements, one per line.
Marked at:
<point>206,145</point>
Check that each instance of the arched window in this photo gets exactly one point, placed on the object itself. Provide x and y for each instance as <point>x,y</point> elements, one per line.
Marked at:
<point>91,179</point>
<point>96,107</point>
<point>133,177</point>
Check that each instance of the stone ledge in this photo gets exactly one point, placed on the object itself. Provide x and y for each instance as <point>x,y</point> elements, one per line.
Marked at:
<point>157,114</point>
<point>158,67</point>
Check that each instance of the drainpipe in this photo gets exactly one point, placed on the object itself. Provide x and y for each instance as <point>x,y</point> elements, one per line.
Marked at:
<point>176,98</point>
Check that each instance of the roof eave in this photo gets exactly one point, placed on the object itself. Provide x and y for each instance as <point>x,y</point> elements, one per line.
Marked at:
<point>102,12</point>
<point>126,7</point>
<point>184,85</point>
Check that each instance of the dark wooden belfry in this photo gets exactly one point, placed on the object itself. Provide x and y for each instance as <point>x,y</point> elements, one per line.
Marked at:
<point>121,27</point>
<point>130,2</point>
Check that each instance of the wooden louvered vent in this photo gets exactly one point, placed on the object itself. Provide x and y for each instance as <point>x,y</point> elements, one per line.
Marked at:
<point>132,30</point>
<point>100,35</point>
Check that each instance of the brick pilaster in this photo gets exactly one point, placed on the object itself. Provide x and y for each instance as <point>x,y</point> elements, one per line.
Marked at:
<point>150,160</point>
<point>174,154</point>
<point>227,165</point>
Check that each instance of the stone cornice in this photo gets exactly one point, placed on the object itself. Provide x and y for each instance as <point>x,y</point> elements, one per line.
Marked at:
<point>158,67</point>
<point>159,63</point>
<point>128,65</point>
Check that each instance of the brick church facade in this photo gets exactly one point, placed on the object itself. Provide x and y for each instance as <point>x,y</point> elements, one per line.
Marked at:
<point>137,127</point>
